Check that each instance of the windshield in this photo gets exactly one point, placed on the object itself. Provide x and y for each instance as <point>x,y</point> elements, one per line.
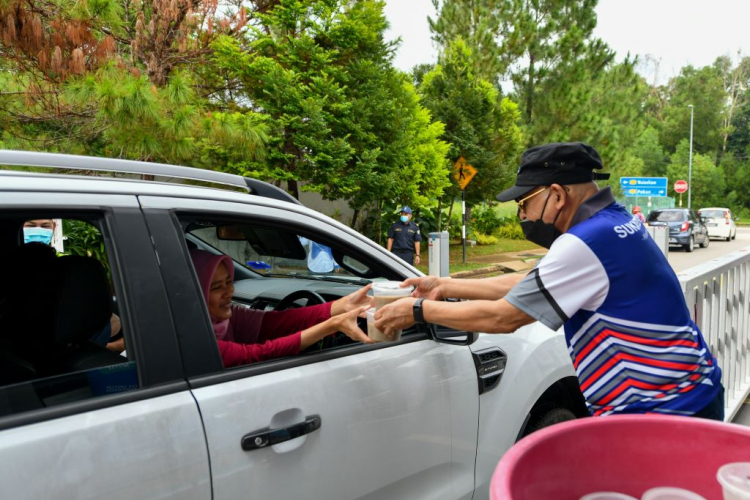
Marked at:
<point>318,261</point>
<point>667,216</point>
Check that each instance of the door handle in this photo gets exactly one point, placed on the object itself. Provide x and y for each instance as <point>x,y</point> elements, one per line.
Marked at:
<point>269,437</point>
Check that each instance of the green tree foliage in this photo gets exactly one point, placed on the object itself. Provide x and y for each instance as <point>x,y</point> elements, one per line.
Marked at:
<point>704,89</point>
<point>650,152</point>
<point>477,23</point>
<point>112,77</point>
<point>340,118</point>
<point>708,184</point>
<point>480,125</point>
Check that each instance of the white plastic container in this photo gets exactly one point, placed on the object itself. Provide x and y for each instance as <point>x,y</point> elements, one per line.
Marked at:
<point>386,292</point>
<point>669,493</point>
<point>607,495</point>
<point>735,480</point>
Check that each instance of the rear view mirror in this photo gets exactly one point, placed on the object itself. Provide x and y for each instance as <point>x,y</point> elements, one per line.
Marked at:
<point>265,242</point>
<point>230,233</point>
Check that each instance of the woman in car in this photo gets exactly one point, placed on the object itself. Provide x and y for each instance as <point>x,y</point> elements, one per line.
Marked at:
<point>246,335</point>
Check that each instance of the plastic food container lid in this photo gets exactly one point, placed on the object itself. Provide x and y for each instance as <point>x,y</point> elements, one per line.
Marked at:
<point>669,493</point>
<point>735,478</point>
<point>391,288</point>
<point>607,495</point>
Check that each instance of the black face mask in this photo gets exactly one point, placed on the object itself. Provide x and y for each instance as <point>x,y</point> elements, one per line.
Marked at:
<point>540,232</point>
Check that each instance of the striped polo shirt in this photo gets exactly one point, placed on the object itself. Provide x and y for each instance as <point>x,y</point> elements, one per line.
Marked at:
<point>629,333</point>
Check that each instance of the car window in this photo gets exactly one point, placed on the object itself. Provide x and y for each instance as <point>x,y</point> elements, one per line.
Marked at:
<point>714,214</point>
<point>667,216</point>
<point>314,259</point>
<point>61,339</point>
<point>270,264</point>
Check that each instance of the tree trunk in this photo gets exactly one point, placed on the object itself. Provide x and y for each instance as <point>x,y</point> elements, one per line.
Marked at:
<point>530,90</point>
<point>355,215</point>
<point>439,215</point>
<point>380,222</point>
<point>293,188</point>
<point>450,213</point>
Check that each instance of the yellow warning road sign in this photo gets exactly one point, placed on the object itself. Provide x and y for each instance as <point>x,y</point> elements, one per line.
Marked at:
<point>463,172</point>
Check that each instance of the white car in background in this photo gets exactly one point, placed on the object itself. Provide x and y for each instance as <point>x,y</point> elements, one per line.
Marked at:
<point>719,222</point>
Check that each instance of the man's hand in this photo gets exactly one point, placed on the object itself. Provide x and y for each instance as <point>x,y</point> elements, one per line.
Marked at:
<point>397,315</point>
<point>427,287</point>
<point>417,260</point>
<point>347,324</point>
<point>353,301</point>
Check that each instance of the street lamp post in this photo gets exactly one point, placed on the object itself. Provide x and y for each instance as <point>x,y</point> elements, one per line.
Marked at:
<point>690,160</point>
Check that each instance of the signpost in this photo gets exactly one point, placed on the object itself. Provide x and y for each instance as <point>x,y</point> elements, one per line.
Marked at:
<point>649,187</point>
<point>463,173</point>
<point>680,187</point>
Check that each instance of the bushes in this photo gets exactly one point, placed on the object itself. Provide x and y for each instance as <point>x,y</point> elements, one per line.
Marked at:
<point>484,239</point>
<point>484,219</point>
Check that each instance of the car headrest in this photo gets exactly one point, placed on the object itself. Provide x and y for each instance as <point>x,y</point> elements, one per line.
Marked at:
<point>83,304</point>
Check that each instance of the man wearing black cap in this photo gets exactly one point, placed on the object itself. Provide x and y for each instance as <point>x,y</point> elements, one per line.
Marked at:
<point>629,333</point>
<point>404,238</point>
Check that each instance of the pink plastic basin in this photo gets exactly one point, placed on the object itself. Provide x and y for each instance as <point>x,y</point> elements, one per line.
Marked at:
<point>627,454</point>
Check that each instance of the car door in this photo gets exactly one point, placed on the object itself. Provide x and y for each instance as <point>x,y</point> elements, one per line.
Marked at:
<point>384,421</point>
<point>121,431</point>
<point>699,227</point>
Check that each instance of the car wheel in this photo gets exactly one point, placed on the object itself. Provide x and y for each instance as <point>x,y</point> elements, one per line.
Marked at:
<point>705,243</point>
<point>551,417</point>
<point>734,236</point>
<point>690,245</point>
<point>729,237</point>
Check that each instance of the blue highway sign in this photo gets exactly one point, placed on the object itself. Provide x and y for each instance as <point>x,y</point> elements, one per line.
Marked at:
<point>644,182</point>
<point>643,191</point>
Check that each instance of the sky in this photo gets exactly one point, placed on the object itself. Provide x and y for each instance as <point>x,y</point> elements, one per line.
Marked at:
<point>673,32</point>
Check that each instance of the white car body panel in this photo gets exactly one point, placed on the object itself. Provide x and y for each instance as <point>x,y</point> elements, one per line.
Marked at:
<point>398,422</point>
<point>152,449</point>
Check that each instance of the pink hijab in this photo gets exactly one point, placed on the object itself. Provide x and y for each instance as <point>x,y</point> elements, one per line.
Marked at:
<point>205,266</point>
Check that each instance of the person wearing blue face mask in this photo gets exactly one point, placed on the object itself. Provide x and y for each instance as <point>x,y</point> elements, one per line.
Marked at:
<point>39,231</point>
<point>404,238</point>
<point>42,231</point>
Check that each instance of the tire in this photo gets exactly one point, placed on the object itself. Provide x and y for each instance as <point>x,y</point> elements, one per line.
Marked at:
<point>705,243</point>
<point>552,416</point>
<point>729,238</point>
<point>690,244</point>
<point>734,236</point>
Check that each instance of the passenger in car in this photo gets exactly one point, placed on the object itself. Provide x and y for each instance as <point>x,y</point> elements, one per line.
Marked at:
<point>246,335</point>
<point>37,236</point>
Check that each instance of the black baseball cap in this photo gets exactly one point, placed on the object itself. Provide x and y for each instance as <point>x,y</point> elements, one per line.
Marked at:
<point>556,163</point>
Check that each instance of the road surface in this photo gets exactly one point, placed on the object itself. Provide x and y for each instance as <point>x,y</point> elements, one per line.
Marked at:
<point>681,260</point>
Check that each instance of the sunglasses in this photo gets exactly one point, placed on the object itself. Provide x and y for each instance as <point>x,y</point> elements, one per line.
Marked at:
<point>523,200</point>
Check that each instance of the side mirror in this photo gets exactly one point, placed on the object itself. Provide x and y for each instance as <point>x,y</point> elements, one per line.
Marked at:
<point>445,335</point>
<point>735,218</point>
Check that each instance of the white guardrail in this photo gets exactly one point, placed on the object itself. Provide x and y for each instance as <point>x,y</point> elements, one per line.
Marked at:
<point>718,294</point>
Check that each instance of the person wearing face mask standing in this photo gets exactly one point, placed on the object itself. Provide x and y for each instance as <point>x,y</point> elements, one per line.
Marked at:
<point>632,341</point>
<point>404,238</point>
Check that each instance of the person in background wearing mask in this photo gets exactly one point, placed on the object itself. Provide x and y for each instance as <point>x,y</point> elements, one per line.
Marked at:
<point>404,238</point>
<point>637,213</point>
<point>39,230</point>
<point>629,333</point>
<point>42,231</point>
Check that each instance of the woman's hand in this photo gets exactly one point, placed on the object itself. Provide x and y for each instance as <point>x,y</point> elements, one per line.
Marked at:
<point>353,301</point>
<point>427,286</point>
<point>347,324</point>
